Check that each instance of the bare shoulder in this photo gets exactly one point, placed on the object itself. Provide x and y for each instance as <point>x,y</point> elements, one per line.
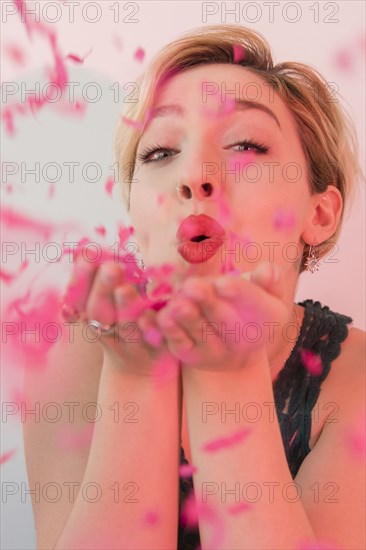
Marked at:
<point>345,383</point>
<point>350,364</point>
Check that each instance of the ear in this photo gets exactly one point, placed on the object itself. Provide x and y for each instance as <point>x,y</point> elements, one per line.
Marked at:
<point>324,216</point>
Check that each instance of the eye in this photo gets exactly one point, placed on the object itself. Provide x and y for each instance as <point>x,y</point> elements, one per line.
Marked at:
<point>250,144</point>
<point>145,155</point>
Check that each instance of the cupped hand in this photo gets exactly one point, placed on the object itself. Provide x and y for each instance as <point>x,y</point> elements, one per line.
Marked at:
<point>100,293</point>
<point>215,323</point>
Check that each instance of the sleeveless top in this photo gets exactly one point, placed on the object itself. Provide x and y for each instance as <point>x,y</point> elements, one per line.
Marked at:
<point>295,394</point>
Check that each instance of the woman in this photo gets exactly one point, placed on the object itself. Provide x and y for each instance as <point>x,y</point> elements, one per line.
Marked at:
<point>228,165</point>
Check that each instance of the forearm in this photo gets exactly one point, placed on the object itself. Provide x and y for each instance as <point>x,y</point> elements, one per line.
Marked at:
<point>254,469</point>
<point>134,459</point>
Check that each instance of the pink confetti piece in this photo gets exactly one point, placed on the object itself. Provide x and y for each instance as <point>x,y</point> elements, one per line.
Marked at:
<point>153,337</point>
<point>133,123</point>
<point>15,54</point>
<point>5,457</point>
<point>139,54</point>
<point>344,60</point>
<point>194,511</point>
<point>108,186</point>
<point>355,438</point>
<point>15,220</point>
<point>239,53</point>
<point>21,6</point>
<point>161,199</point>
<point>101,230</point>
<point>284,220</point>
<point>151,518</point>
<point>8,119</point>
<point>10,277</point>
<point>239,508</point>
<point>32,328</point>
<point>117,42</point>
<point>189,512</point>
<point>51,191</point>
<point>187,470</point>
<point>76,58</point>
<point>164,368</point>
<point>227,441</point>
<point>311,361</point>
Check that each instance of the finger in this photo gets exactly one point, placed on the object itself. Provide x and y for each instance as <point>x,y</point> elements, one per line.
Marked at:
<point>78,288</point>
<point>177,341</point>
<point>101,305</point>
<point>235,316</point>
<point>148,326</point>
<point>189,317</point>
<point>267,276</point>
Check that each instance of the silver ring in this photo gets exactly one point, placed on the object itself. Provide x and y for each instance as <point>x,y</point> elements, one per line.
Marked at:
<point>104,330</point>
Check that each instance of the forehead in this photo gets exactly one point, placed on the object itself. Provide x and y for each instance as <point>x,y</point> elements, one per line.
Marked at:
<point>218,83</point>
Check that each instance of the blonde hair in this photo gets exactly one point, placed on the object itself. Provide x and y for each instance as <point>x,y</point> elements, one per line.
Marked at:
<point>325,129</point>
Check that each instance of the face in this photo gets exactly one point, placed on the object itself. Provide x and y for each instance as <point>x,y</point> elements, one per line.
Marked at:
<point>258,191</point>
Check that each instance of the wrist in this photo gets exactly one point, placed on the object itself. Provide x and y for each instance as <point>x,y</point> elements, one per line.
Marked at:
<point>251,366</point>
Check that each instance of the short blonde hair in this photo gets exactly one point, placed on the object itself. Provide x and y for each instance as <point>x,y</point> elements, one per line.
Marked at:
<point>325,129</point>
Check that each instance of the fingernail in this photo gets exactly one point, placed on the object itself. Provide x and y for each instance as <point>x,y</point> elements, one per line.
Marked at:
<point>223,287</point>
<point>245,275</point>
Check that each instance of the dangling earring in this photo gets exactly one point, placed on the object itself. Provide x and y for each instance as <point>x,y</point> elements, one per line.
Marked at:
<point>142,264</point>
<point>312,262</point>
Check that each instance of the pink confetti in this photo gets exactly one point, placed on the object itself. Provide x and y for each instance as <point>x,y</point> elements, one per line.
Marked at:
<point>284,219</point>
<point>164,368</point>
<point>9,277</point>
<point>161,199</point>
<point>187,470</point>
<point>139,54</point>
<point>77,58</point>
<point>227,441</point>
<point>117,42</point>
<point>239,53</point>
<point>109,184</point>
<point>101,230</point>
<point>16,220</point>
<point>43,313</point>
<point>151,518</point>
<point>311,361</point>
<point>344,60</point>
<point>15,54</point>
<point>133,123</point>
<point>153,337</point>
<point>355,438</point>
<point>51,191</point>
<point>189,512</point>
<point>5,457</point>
<point>239,508</point>
<point>8,119</point>
<point>193,511</point>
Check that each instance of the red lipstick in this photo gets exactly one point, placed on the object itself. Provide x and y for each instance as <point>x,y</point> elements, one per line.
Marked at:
<point>199,238</point>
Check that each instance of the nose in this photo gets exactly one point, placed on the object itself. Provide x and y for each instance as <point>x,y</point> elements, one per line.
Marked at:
<point>195,190</point>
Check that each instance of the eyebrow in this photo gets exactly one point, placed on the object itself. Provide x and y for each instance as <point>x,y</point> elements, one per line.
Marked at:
<point>240,105</point>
